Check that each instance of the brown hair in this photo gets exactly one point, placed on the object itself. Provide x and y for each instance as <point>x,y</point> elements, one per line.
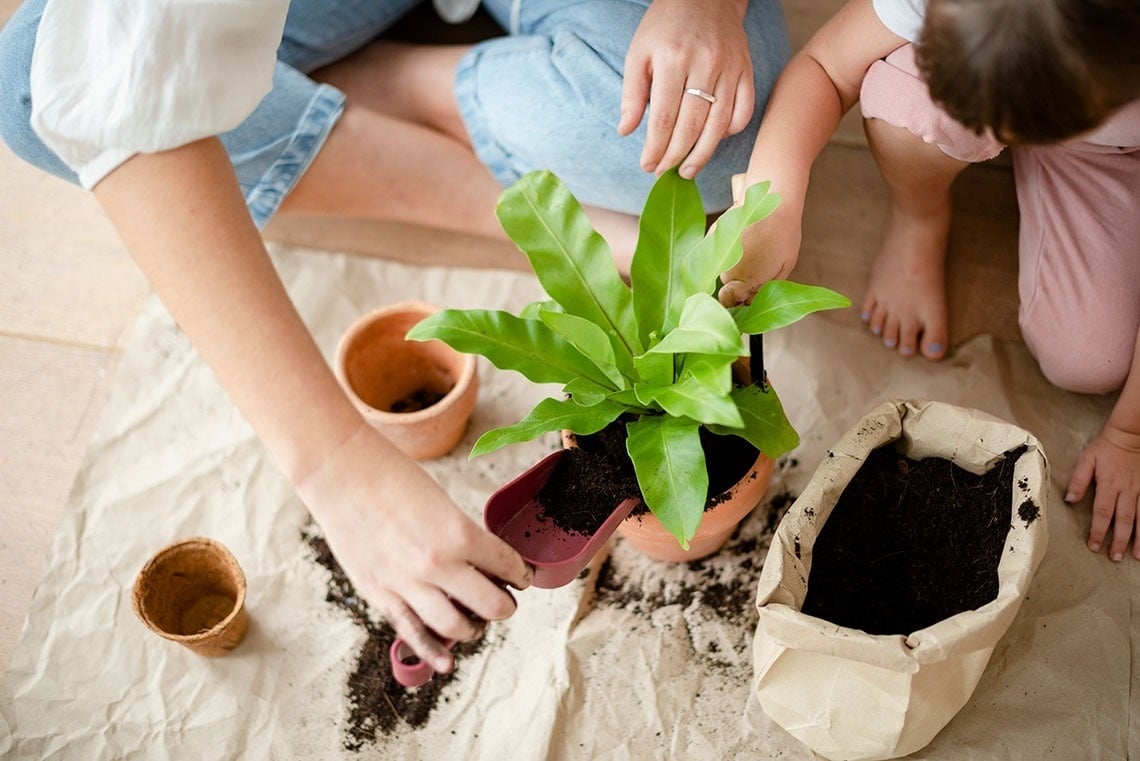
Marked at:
<point>1033,71</point>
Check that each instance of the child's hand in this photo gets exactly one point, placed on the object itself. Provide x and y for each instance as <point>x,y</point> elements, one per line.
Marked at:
<point>409,551</point>
<point>771,248</point>
<point>1112,460</point>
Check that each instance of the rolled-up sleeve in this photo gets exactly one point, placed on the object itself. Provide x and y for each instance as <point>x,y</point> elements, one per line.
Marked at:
<point>112,78</point>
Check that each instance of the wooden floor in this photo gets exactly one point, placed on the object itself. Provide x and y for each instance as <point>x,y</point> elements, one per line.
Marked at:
<point>69,295</point>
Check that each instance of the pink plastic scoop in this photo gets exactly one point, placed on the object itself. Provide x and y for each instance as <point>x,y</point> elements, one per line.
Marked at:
<point>514,514</point>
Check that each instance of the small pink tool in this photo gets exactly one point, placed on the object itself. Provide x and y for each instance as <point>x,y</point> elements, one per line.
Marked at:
<point>514,514</point>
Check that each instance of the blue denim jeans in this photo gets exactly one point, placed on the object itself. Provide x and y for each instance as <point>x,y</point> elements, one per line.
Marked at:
<point>545,96</point>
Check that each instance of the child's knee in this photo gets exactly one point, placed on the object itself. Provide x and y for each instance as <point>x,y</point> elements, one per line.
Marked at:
<point>1079,363</point>
<point>894,92</point>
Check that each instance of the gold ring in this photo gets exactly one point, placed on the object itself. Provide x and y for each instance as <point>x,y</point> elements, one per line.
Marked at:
<point>701,94</point>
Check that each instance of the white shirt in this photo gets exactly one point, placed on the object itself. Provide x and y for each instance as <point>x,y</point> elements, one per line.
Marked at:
<point>112,78</point>
<point>903,17</point>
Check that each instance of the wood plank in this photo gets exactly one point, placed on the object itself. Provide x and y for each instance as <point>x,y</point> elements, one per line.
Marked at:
<point>67,276</point>
<point>50,399</point>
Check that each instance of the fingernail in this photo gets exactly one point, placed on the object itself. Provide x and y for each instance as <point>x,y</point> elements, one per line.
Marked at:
<point>1118,556</point>
<point>865,316</point>
<point>648,166</point>
<point>1094,546</point>
<point>1070,497</point>
<point>934,348</point>
<point>875,330</point>
<point>688,172</point>
<point>889,342</point>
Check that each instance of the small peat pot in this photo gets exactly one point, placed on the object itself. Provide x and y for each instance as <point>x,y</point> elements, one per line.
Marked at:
<point>419,394</point>
<point>894,575</point>
<point>193,592</point>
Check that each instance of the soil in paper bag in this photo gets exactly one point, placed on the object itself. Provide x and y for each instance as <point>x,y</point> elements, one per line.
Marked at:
<point>911,542</point>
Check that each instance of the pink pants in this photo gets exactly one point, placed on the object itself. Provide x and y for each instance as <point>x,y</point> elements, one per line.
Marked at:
<point>1079,240</point>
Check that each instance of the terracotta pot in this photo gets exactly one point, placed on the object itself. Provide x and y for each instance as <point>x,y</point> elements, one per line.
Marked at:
<point>732,506</point>
<point>647,534</point>
<point>383,374</point>
<point>193,592</point>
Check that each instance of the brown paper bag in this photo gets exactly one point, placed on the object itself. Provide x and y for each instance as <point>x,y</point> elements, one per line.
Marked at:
<point>850,695</point>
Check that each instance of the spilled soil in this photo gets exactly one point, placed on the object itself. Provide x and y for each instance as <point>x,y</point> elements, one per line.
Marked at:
<point>377,704</point>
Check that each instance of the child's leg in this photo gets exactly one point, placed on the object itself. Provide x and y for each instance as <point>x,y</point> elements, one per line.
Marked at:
<point>905,301</point>
<point>1079,265</point>
<point>920,151</point>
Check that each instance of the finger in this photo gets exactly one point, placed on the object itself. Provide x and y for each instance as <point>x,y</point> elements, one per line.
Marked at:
<point>498,560</point>
<point>634,93</point>
<point>1080,480</point>
<point>442,615</point>
<point>735,293</point>
<point>715,129</point>
<point>692,119</point>
<point>743,104</point>
<point>1104,505</point>
<point>481,596</point>
<point>1123,525</point>
<point>664,105</point>
<point>427,646</point>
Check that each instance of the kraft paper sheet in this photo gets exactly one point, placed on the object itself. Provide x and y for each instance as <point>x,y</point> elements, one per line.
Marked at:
<point>636,660</point>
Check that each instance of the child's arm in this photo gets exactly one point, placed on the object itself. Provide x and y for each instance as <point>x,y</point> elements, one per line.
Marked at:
<point>1112,460</point>
<point>398,536</point>
<point>817,87</point>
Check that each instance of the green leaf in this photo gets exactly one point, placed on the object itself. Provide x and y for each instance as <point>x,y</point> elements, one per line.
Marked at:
<point>673,221</point>
<point>532,310</point>
<point>585,392</point>
<point>690,398</point>
<point>571,260</point>
<point>712,371</point>
<point>766,426</point>
<point>510,343</point>
<point>779,303</point>
<point>656,369</point>
<point>549,415</point>
<point>591,340</point>
<point>704,327</point>
<point>670,466</point>
<point>721,248</point>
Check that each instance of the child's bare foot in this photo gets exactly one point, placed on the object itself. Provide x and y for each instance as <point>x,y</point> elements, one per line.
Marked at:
<point>906,295</point>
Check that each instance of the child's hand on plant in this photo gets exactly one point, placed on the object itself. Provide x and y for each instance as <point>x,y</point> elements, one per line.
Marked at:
<point>1112,460</point>
<point>409,551</point>
<point>771,248</point>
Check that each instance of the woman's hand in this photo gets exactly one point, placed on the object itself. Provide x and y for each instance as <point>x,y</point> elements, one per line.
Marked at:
<point>408,550</point>
<point>682,45</point>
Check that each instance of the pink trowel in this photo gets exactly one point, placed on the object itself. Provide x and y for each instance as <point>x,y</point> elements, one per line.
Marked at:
<point>514,514</point>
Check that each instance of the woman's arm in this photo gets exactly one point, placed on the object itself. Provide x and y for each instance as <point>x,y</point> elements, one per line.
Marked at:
<point>817,87</point>
<point>1112,460</point>
<point>398,536</point>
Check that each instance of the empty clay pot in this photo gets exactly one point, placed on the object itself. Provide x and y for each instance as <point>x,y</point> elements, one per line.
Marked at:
<point>419,394</point>
<point>193,592</point>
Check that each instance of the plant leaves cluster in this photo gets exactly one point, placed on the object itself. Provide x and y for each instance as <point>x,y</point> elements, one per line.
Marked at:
<point>656,352</point>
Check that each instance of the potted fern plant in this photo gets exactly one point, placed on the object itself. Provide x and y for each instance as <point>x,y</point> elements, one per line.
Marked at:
<point>655,355</point>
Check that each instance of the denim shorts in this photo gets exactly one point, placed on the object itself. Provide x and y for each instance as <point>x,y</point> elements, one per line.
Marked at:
<point>546,96</point>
